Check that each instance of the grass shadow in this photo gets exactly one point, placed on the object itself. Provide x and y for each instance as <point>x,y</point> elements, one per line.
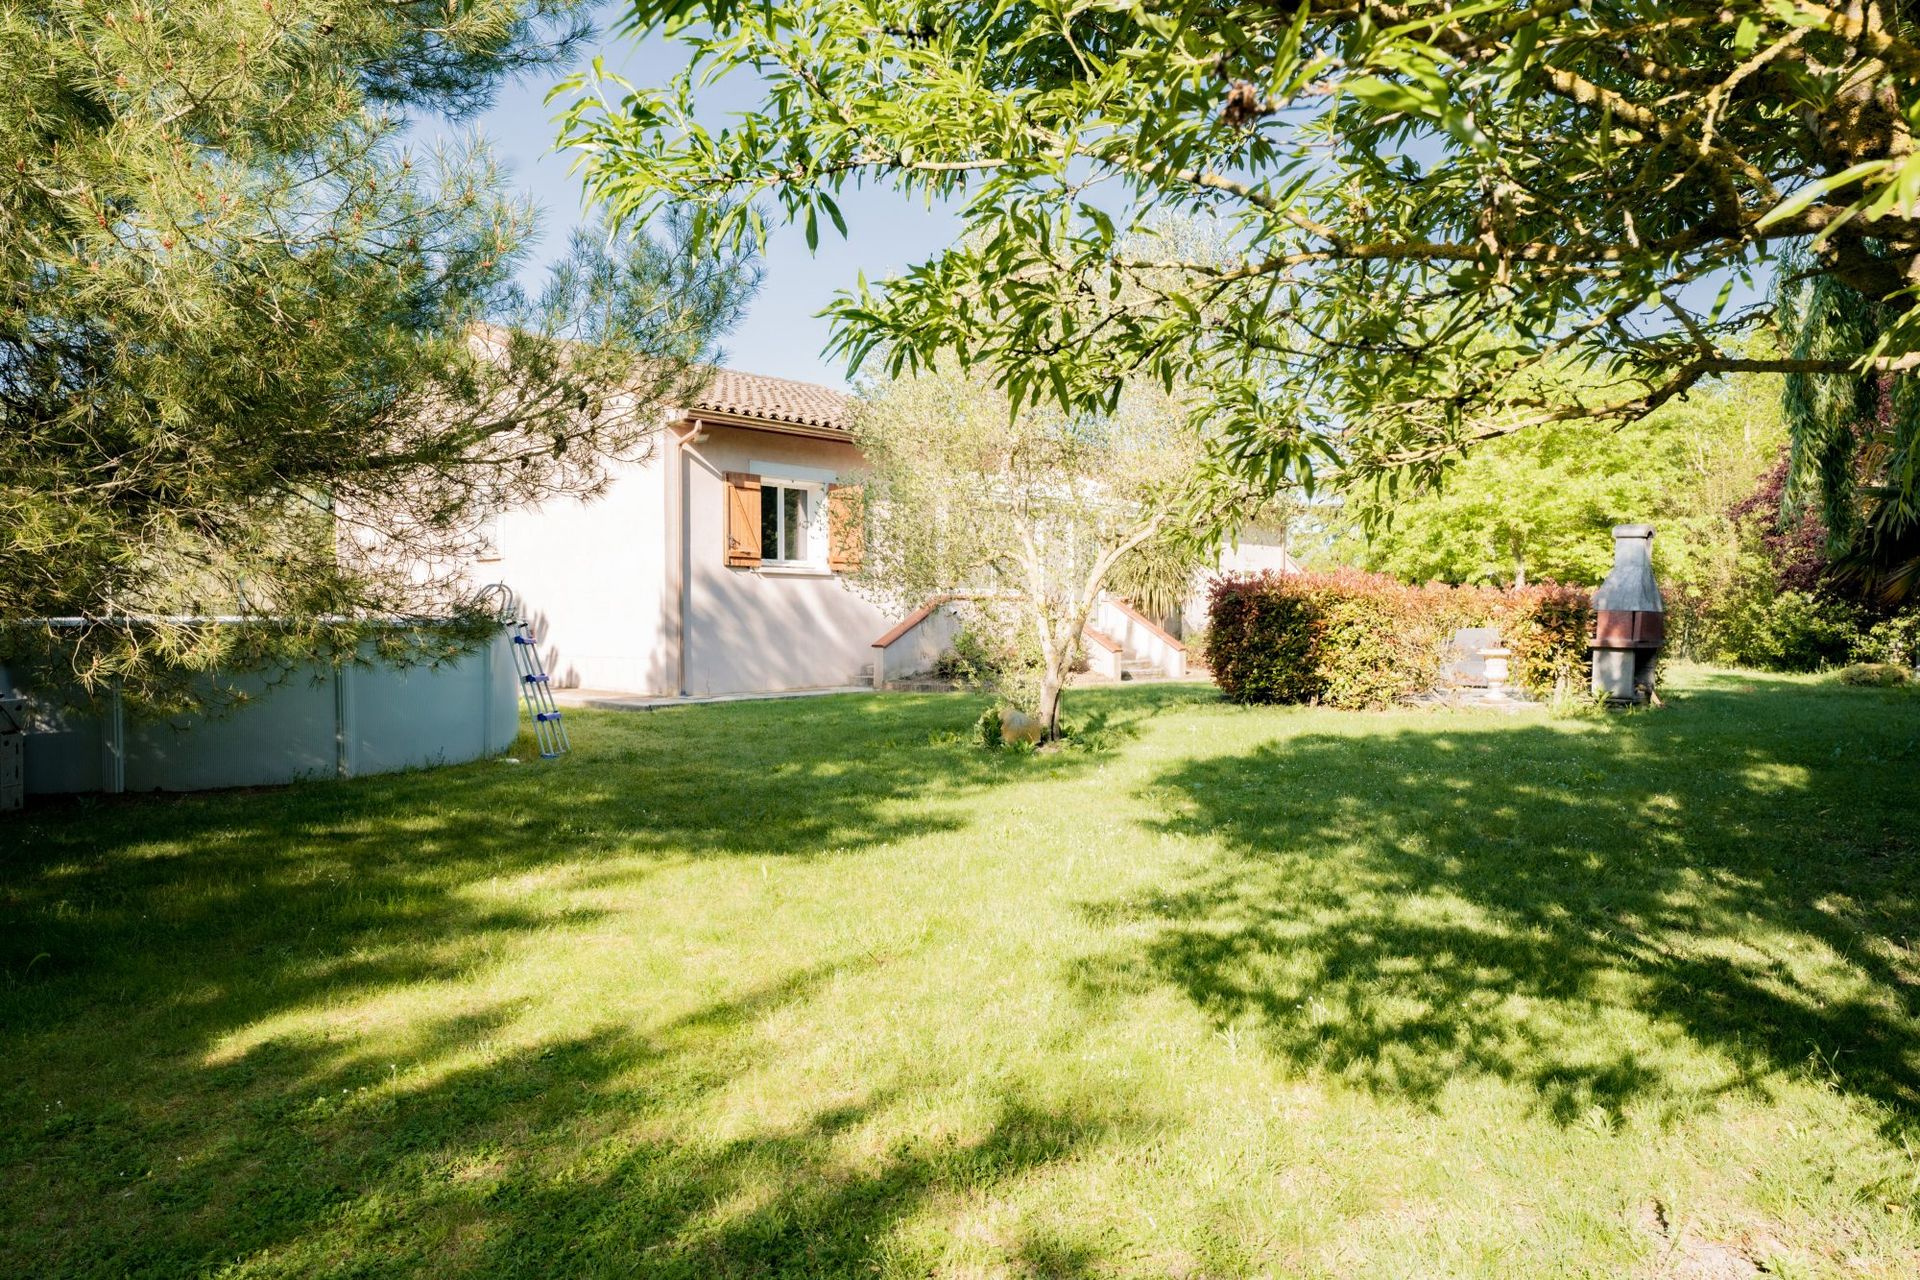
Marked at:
<point>571,1156</point>
<point>267,898</point>
<point>1576,908</point>
<point>167,956</point>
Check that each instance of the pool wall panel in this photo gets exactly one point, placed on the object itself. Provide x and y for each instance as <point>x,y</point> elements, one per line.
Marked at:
<point>308,723</point>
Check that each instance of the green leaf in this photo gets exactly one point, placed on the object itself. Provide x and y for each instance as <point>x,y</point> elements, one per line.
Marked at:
<point>833,212</point>
<point>1386,96</point>
<point>1801,199</point>
<point>1525,40</point>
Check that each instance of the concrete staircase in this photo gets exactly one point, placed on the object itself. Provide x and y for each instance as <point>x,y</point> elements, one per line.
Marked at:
<point>1121,643</point>
<point>1142,649</point>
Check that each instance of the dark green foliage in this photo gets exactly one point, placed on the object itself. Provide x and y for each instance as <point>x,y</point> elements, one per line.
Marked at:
<point>1855,455</point>
<point>258,358</point>
<point>1792,631</point>
<point>1894,639</point>
<point>1261,645</point>
<point>1360,640</point>
<point>973,660</point>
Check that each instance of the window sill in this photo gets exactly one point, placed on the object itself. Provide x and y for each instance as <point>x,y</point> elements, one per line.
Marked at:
<point>795,570</point>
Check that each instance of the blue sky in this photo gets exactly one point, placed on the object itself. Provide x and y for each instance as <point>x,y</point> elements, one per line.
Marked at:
<point>780,334</point>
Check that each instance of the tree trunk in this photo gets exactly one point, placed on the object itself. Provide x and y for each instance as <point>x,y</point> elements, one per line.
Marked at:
<point>1051,686</point>
<point>1519,567</point>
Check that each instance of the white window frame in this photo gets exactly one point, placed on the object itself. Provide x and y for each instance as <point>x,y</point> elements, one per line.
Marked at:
<point>816,531</point>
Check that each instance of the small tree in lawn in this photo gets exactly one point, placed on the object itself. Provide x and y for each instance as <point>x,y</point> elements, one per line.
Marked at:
<point>1020,517</point>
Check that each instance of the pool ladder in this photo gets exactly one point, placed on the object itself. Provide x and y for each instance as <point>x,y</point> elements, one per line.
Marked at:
<point>536,691</point>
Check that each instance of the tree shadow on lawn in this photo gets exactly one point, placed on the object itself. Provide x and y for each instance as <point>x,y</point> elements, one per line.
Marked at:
<point>583,1155</point>
<point>331,886</point>
<point>140,936</point>
<point>1103,718</point>
<point>1657,907</point>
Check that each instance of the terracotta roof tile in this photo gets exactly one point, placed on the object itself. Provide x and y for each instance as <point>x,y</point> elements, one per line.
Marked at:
<point>753,395</point>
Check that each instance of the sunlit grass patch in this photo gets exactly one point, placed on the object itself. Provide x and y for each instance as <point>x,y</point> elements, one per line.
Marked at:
<point>821,989</point>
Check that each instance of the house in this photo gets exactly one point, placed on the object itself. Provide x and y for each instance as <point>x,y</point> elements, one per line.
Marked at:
<point>720,563</point>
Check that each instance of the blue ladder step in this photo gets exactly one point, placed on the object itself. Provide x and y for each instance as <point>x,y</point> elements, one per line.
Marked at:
<point>536,679</point>
<point>546,715</point>
<point>523,639</point>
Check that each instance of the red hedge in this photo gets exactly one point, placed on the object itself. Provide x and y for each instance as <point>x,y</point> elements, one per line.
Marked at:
<point>1351,639</point>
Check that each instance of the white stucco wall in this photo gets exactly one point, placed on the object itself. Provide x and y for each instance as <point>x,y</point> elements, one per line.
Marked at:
<point>1254,551</point>
<point>1138,639</point>
<point>593,576</point>
<point>915,652</point>
<point>1254,557</point>
<point>601,579</point>
<point>764,629</point>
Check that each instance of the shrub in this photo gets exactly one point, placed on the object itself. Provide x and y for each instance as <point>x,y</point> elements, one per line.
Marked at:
<point>1548,628</point>
<point>1876,675</point>
<point>1379,642</point>
<point>1262,640</point>
<point>1792,631</point>
<point>987,728</point>
<point>1351,639</point>
<point>1893,640</point>
<point>972,660</point>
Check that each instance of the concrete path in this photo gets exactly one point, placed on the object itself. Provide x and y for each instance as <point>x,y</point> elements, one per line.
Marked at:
<point>613,700</point>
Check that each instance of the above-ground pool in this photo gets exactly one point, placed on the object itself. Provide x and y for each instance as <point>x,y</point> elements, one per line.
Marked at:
<point>311,722</point>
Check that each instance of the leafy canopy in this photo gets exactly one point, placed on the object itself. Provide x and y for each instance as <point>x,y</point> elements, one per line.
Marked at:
<point>1438,206</point>
<point>1856,440</point>
<point>1541,505</point>
<point>238,316</point>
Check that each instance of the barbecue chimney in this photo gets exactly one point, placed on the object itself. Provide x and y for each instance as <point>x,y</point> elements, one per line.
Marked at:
<point>1632,619</point>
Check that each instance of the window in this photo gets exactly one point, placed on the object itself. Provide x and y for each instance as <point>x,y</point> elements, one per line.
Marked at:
<point>788,520</point>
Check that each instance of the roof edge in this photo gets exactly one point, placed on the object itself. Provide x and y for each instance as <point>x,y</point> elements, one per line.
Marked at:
<point>773,426</point>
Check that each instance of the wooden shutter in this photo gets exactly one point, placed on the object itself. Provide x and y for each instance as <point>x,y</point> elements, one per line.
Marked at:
<point>743,518</point>
<point>846,527</point>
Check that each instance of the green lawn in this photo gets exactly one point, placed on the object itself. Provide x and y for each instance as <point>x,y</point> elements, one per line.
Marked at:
<point>817,988</point>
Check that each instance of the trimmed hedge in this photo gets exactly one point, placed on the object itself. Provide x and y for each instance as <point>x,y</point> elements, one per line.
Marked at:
<point>1351,639</point>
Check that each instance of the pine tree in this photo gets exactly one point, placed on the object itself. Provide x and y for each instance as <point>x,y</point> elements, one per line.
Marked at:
<point>240,317</point>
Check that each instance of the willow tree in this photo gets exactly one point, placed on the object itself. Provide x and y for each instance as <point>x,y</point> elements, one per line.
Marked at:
<point>1442,207</point>
<point>236,310</point>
